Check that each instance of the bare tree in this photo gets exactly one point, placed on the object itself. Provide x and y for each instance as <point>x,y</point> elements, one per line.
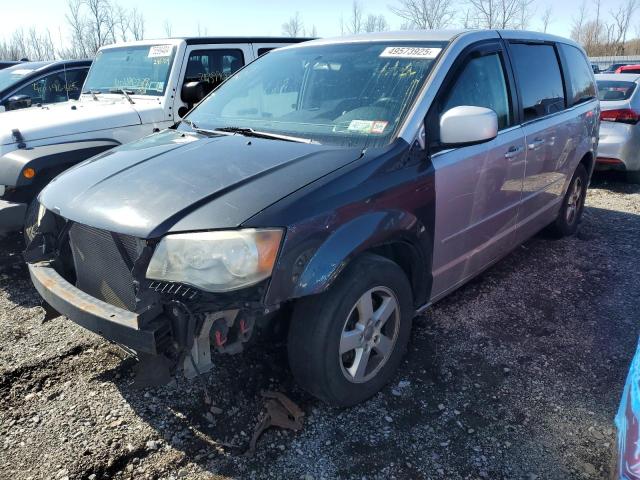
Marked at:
<point>577,28</point>
<point>524,13</point>
<point>425,14</point>
<point>355,24</point>
<point>375,23</point>
<point>202,31</point>
<point>313,33</point>
<point>167,28</point>
<point>546,18</point>
<point>123,22</point>
<point>293,27</point>
<point>621,20</point>
<point>137,24</point>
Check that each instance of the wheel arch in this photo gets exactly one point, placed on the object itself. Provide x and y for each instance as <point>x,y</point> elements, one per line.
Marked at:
<point>395,235</point>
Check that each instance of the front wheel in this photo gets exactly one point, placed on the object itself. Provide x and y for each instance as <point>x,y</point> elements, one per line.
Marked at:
<point>572,205</point>
<point>344,345</point>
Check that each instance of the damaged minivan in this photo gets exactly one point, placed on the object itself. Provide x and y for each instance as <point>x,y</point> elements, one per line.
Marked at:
<point>334,189</point>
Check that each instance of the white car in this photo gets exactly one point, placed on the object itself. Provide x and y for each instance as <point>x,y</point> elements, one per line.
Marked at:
<point>132,90</point>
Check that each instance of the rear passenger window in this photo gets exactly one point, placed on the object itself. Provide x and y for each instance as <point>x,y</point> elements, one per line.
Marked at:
<point>482,83</point>
<point>213,66</point>
<point>75,79</point>
<point>540,80</point>
<point>582,83</point>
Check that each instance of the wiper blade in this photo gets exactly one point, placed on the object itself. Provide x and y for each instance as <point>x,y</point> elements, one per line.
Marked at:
<point>199,130</point>
<point>123,92</point>
<point>250,132</point>
<point>92,93</point>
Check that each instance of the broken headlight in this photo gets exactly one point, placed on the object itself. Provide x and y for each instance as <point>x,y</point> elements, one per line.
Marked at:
<point>216,261</point>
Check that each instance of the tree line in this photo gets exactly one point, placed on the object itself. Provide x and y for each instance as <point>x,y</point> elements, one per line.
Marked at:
<point>89,24</point>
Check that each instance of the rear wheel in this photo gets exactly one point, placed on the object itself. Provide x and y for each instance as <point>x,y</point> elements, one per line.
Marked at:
<point>572,205</point>
<point>346,344</point>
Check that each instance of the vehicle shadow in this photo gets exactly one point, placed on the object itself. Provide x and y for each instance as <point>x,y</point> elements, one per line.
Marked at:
<point>14,276</point>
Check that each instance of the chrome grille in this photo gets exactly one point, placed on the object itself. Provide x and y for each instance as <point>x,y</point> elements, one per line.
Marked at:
<point>101,271</point>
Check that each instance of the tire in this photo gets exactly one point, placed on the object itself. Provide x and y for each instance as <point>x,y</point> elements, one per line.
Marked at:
<point>30,219</point>
<point>572,205</point>
<point>319,323</point>
<point>633,177</point>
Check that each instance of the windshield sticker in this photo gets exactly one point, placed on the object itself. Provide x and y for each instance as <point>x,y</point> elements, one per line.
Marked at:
<point>379,126</point>
<point>367,126</point>
<point>410,52</point>
<point>160,51</point>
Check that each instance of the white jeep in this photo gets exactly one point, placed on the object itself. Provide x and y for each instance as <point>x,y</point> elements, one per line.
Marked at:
<point>132,90</point>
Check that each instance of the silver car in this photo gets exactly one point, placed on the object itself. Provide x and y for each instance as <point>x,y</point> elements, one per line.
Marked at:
<point>619,147</point>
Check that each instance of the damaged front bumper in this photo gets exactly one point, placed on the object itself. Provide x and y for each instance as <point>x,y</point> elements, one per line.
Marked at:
<point>127,328</point>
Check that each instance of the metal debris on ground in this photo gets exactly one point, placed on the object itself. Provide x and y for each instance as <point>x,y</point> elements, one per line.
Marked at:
<point>281,412</point>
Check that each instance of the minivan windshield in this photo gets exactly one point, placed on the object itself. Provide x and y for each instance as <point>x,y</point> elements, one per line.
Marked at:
<point>343,94</point>
<point>139,70</point>
<point>612,90</point>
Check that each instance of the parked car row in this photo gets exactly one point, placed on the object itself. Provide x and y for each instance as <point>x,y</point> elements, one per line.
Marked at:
<point>329,190</point>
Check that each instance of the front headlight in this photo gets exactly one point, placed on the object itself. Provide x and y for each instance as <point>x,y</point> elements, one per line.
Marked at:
<point>216,261</point>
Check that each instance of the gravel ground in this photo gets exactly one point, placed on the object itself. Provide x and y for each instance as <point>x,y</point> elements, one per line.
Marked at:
<point>516,375</point>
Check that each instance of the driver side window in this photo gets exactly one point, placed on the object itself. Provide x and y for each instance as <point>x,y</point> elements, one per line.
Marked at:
<point>482,83</point>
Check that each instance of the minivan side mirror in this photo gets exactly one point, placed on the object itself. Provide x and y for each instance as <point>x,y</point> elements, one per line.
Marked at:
<point>18,101</point>
<point>468,125</point>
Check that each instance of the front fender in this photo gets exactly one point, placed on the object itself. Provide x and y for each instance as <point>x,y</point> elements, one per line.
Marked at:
<point>48,158</point>
<point>311,267</point>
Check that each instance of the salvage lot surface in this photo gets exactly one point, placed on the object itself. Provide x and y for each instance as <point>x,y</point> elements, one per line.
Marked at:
<point>516,375</point>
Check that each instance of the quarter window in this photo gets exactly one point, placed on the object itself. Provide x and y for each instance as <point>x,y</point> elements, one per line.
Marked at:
<point>540,80</point>
<point>583,87</point>
<point>482,83</point>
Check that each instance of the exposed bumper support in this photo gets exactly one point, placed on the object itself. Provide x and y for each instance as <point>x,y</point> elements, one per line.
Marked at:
<point>11,216</point>
<point>113,323</point>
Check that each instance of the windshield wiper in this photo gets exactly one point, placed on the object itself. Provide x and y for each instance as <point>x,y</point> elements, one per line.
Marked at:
<point>123,92</point>
<point>199,130</point>
<point>92,93</point>
<point>250,132</point>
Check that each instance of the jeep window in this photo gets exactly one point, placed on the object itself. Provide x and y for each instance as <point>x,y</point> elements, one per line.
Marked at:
<point>212,66</point>
<point>583,87</point>
<point>538,73</point>
<point>75,80</point>
<point>143,70</point>
<point>347,94</point>
<point>482,83</point>
<point>612,90</point>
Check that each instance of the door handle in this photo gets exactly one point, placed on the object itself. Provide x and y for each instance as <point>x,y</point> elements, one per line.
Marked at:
<point>513,151</point>
<point>538,142</point>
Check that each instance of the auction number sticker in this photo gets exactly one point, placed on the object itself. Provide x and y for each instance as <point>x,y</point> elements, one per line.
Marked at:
<point>410,52</point>
<point>160,51</point>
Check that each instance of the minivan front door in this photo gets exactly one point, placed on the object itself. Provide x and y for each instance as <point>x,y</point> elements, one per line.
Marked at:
<point>478,187</point>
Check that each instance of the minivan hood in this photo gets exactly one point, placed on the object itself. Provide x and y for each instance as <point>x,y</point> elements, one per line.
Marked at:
<point>65,119</point>
<point>174,181</point>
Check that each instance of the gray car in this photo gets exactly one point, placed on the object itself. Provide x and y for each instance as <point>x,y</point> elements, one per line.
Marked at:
<point>331,190</point>
<point>619,147</point>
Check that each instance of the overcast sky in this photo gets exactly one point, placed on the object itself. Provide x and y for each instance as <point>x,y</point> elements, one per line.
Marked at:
<point>249,17</point>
